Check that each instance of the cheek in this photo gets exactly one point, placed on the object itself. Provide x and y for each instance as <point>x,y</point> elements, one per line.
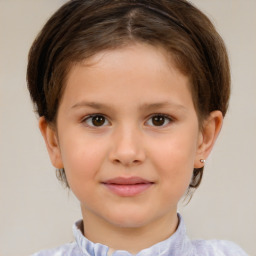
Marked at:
<point>178,151</point>
<point>81,159</point>
<point>173,157</point>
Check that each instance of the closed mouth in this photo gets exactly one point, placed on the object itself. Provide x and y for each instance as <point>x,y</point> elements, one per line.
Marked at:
<point>127,186</point>
<point>127,181</point>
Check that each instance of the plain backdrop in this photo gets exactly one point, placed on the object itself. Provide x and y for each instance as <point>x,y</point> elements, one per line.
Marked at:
<point>36,212</point>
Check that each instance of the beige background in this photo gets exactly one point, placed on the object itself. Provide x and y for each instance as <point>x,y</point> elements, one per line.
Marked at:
<point>36,212</point>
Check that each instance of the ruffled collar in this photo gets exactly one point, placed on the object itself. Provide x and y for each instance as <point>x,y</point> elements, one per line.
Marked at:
<point>176,245</point>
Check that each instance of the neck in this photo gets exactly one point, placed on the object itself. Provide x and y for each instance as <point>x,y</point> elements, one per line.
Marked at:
<point>129,239</point>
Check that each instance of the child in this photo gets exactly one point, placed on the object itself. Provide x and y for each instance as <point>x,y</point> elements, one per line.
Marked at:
<point>131,97</point>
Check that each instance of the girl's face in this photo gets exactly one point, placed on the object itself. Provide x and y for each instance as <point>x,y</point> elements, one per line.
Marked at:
<point>128,136</point>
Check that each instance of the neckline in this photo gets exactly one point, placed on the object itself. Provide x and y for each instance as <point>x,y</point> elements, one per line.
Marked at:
<point>175,244</point>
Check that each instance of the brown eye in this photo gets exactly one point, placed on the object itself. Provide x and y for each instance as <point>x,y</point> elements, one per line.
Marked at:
<point>96,121</point>
<point>159,120</point>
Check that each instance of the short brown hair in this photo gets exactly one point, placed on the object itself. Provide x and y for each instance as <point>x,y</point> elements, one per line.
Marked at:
<point>80,29</point>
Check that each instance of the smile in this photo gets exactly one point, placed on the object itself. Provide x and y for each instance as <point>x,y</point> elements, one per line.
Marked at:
<point>128,187</point>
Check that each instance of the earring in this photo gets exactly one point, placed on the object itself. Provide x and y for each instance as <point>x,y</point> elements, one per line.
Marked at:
<point>202,161</point>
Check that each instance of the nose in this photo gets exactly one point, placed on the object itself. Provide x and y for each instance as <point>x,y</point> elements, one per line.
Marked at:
<point>127,147</point>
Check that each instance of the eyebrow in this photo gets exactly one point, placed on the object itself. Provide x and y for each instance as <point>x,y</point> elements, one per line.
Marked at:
<point>142,107</point>
<point>165,104</point>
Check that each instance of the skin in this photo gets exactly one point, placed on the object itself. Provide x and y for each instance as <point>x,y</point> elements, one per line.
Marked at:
<point>124,85</point>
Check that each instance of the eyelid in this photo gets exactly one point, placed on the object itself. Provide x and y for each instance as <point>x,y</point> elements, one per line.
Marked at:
<point>170,119</point>
<point>84,119</point>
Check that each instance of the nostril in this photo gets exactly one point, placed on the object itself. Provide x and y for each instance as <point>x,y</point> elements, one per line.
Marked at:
<point>127,162</point>
<point>127,154</point>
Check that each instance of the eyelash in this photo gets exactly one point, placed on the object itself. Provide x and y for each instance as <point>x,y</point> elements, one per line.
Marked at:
<point>165,116</point>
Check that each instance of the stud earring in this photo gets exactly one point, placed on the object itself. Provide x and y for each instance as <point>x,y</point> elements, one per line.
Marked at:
<point>202,161</point>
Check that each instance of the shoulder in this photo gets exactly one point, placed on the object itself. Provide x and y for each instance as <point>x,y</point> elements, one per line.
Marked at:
<point>217,248</point>
<point>69,249</point>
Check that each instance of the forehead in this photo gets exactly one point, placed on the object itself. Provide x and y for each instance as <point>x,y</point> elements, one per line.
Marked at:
<point>136,73</point>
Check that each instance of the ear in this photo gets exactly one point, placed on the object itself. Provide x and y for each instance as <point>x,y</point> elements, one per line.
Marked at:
<point>51,141</point>
<point>207,137</point>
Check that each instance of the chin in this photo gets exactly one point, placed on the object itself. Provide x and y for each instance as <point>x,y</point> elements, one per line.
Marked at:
<point>129,219</point>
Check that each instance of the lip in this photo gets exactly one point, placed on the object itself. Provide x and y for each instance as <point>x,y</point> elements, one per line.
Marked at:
<point>127,186</point>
